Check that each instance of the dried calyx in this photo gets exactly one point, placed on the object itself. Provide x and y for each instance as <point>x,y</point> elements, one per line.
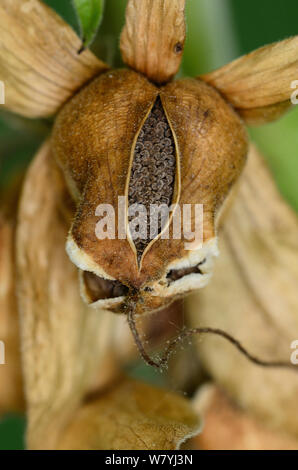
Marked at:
<point>153,172</point>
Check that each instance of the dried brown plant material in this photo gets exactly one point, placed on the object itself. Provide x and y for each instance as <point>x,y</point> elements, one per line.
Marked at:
<point>64,344</point>
<point>94,141</point>
<point>40,66</point>
<point>253,296</point>
<point>69,350</point>
<point>228,427</point>
<point>258,85</point>
<point>132,416</point>
<point>11,387</point>
<point>153,38</point>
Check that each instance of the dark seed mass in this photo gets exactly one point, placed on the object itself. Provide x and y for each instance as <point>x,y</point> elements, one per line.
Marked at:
<point>153,169</point>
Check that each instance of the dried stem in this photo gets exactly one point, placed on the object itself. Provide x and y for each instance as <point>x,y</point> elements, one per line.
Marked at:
<point>189,332</point>
<point>137,338</point>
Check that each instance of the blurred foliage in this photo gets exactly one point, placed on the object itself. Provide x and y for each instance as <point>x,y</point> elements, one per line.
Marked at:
<point>12,429</point>
<point>256,24</point>
<point>218,31</point>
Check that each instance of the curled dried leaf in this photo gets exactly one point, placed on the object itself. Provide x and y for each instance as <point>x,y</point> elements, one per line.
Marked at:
<point>132,416</point>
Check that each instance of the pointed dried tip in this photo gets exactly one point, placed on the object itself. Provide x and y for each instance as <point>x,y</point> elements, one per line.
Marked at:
<point>260,85</point>
<point>153,37</point>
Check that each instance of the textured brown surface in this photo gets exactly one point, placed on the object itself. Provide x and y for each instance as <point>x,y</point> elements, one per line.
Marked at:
<point>40,66</point>
<point>93,141</point>
<point>69,349</point>
<point>64,344</point>
<point>212,147</point>
<point>153,37</point>
<point>253,296</point>
<point>132,416</point>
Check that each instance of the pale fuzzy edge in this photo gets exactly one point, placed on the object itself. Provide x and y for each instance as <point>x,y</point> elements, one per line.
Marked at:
<point>83,261</point>
<point>191,434</point>
<point>203,398</point>
<point>208,251</point>
<point>200,403</point>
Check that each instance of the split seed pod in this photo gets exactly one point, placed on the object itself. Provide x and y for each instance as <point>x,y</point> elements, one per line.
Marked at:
<point>123,136</point>
<point>105,141</point>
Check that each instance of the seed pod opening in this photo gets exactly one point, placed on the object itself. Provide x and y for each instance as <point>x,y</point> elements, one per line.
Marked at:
<point>100,288</point>
<point>153,175</point>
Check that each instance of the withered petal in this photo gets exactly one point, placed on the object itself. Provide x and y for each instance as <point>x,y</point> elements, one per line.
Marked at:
<point>259,84</point>
<point>67,348</point>
<point>132,416</point>
<point>153,37</point>
<point>228,427</point>
<point>40,66</point>
<point>11,389</point>
<point>253,296</point>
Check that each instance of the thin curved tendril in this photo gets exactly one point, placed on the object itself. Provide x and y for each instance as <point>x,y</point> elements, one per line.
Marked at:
<point>186,333</point>
<point>135,333</point>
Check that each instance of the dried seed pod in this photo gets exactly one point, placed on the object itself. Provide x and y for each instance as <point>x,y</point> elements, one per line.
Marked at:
<point>106,148</point>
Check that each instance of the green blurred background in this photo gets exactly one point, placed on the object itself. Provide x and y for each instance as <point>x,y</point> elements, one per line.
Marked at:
<point>218,31</point>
